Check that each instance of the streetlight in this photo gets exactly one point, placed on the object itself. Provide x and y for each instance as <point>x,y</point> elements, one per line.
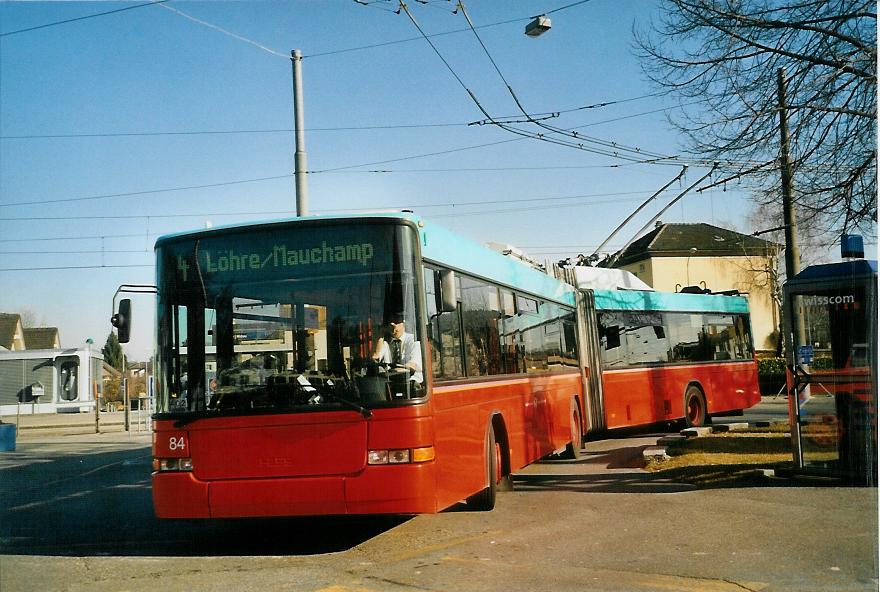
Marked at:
<point>688,266</point>
<point>539,25</point>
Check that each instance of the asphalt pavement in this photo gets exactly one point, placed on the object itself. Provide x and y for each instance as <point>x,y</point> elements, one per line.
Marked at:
<point>76,514</point>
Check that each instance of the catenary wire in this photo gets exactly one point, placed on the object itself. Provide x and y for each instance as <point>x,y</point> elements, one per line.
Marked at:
<point>491,211</point>
<point>348,128</point>
<point>538,122</point>
<point>228,33</point>
<point>75,267</point>
<point>613,153</point>
<point>82,18</point>
<point>144,192</point>
<point>290,211</point>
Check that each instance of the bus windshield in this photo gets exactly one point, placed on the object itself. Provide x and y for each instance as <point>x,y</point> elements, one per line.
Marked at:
<point>286,318</point>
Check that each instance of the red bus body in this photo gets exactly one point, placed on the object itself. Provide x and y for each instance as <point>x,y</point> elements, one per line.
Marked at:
<point>641,396</point>
<point>316,463</point>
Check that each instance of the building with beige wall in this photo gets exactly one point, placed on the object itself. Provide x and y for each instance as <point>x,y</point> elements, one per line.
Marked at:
<point>675,256</point>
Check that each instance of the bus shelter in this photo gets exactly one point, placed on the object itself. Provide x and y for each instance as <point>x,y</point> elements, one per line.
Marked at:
<point>50,380</point>
<point>831,338</point>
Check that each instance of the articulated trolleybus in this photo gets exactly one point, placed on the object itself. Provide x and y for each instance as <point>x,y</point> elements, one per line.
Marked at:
<point>274,398</point>
<point>370,364</point>
<point>665,357</point>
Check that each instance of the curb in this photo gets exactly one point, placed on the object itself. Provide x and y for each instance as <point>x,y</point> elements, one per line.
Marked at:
<point>658,453</point>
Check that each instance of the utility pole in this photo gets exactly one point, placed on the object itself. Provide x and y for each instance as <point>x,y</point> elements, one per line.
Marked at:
<point>792,252</point>
<point>125,397</point>
<point>792,267</point>
<point>302,191</point>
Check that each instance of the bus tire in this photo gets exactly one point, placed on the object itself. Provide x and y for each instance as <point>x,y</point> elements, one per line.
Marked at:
<point>484,500</point>
<point>573,448</point>
<point>694,407</point>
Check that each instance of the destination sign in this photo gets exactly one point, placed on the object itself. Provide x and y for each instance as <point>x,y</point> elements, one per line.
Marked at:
<point>279,256</point>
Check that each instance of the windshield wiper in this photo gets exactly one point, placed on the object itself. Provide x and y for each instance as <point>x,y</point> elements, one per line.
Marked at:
<point>351,404</point>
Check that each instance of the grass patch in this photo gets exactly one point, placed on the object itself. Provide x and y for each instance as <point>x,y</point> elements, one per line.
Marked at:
<point>781,427</point>
<point>749,449</point>
<point>733,459</point>
<point>727,459</point>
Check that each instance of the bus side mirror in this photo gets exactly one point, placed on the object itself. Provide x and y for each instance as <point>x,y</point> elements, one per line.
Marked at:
<point>448,302</point>
<point>122,320</point>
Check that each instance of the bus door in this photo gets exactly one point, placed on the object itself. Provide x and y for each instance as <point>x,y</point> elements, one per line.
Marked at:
<point>588,344</point>
<point>831,378</point>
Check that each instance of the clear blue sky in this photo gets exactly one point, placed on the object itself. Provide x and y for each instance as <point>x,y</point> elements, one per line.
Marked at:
<point>151,70</point>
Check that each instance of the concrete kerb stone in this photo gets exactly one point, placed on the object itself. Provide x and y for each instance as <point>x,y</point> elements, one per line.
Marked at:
<point>655,453</point>
<point>667,440</point>
<point>729,427</point>
<point>696,432</point>
<point>769,424</point>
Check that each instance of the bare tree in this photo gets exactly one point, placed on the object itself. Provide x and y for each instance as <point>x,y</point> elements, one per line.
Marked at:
<point>723,57</point>
<point>30,318</point>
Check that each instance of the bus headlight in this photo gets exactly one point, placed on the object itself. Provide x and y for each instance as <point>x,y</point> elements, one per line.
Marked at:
<point>161,465</point>
<point>400,456</point>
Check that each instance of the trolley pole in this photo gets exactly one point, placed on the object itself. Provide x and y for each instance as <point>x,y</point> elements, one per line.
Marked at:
<point>792,267</point>
<point>300,168</point>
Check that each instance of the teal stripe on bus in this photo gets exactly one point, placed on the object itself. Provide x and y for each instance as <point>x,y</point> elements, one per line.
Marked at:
<point>669,302</point>
<point>456,252</point>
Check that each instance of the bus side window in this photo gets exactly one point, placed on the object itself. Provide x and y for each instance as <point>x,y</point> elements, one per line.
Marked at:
<point>569,340</point>
<point>534,326</point>
<point>645,338</point>
<point>610,341</point>
<point>481,317</point>
<point>553,336</point>
<point>686,337</point>
<point>444,332</point>
<point>509,336</point>
<point>720,332</point>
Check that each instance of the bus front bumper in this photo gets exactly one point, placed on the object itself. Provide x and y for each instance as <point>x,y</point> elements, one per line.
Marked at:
<point>381,489</point>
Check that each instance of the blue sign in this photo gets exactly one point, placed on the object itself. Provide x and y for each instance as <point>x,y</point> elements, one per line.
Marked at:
<point>805,354</point>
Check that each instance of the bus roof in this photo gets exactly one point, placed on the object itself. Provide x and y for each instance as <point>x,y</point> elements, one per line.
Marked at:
<point>669,302</point>
<point>442,246</point>
<point>292,221</point>
<point>438,245</point>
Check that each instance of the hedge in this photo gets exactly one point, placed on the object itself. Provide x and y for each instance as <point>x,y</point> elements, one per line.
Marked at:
<point>771,375</point>
<point>771,372</point>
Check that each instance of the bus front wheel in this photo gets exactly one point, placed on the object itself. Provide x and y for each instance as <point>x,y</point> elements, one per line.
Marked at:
<point>694,407</point>
<point>484,500</point>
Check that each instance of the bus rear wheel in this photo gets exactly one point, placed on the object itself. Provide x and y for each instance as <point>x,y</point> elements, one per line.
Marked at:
<point>484,500</point>
<point>694,407</point>
<point>573,449</point>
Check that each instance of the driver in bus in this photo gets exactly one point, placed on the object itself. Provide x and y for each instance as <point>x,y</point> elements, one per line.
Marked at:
<point>400,350</point>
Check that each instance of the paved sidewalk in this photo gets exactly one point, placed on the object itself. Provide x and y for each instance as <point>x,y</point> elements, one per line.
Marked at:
<point>43,424</point>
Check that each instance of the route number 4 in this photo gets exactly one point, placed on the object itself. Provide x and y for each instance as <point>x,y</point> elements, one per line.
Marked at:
<point>176,443</point>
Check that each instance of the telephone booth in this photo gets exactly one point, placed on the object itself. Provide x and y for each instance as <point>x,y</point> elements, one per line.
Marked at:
<point>831,339</point>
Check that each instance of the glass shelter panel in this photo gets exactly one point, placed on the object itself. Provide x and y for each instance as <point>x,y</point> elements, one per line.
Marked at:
<point>835,407</point>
